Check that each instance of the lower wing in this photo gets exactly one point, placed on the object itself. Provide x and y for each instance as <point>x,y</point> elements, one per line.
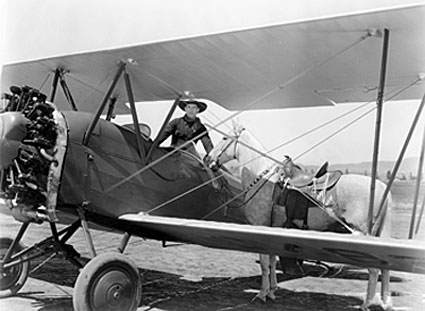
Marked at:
<point>363,251</point>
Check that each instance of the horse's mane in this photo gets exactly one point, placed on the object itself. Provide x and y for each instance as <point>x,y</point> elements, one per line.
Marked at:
<point>249,158</point>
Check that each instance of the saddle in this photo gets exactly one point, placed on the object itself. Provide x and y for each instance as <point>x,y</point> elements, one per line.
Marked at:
<point>321,180</point>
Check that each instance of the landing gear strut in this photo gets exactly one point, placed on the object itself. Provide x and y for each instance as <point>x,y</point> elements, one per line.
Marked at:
<point>12,278</point>
<point>109,281</point>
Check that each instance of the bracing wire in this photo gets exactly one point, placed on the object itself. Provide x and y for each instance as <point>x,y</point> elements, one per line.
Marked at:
<point>334,133</point>
<point>356,119</point>
<point>395,93</point>
<point>250,105</point>
<point>261,154</point>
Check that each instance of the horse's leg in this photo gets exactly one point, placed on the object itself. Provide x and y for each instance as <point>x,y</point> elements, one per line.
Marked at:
<point>291,266</point>
<point>265,282</point>
<point>371,297</point>
<point>273,278</point>
<point>385,290</point>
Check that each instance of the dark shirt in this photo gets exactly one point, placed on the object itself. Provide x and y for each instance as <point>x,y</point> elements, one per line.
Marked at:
<point>184,129</point>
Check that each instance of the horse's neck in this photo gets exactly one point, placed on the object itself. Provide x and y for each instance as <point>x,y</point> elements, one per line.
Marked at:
<point>255,164</point>
<point>251,160</point>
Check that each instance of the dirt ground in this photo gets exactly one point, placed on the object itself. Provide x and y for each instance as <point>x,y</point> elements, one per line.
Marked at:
<point>191,277</point>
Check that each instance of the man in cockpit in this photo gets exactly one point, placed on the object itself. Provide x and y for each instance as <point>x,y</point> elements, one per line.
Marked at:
<point>189,127</point>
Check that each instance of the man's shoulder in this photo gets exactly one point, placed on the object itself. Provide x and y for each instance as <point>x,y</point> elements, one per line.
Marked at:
<point>200,123</point>
<point>176,121</point>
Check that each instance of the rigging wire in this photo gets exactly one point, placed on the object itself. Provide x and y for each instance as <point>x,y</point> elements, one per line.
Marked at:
<point>317,127</point>
<point>280,87</point>
<point>184,193</point>
<point>395,93</point>
<point>261,154</point>
<point>172,89</point>
<point>44,81</point>
<point>358,118</point>
<point>334,133</point>
<point>265,172</point>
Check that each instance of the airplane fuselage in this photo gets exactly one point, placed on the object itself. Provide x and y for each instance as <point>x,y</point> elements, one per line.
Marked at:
<point>93,175</point>
<point>106,177</point>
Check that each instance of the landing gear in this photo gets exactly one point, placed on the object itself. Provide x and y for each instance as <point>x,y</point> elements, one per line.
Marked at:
<point>14,277</point>
<point>110,281</point>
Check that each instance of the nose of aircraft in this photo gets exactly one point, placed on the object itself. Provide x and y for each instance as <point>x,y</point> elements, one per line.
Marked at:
<point>13,129</point>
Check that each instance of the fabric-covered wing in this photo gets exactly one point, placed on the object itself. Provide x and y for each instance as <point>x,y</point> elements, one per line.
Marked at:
<point>244,69</point>
<point>401,255</point>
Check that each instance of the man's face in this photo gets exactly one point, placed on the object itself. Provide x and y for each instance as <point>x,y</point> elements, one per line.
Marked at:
<point>191,110</point>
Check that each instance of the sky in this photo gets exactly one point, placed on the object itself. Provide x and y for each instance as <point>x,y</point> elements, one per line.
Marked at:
<point>32,29</point>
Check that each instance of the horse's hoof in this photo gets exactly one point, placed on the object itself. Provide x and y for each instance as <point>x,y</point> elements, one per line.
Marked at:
<point>377,302</point>
<point>261,296</point>
<point>387,306</point>
<point>271,296</point>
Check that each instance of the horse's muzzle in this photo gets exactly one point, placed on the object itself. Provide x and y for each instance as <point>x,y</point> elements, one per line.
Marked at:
<point>212,164</point>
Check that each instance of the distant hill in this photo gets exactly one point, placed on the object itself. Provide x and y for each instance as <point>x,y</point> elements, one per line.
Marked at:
<point>407,171</point>
<point>408,168</point>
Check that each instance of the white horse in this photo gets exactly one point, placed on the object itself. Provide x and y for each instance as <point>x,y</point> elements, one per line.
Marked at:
<point>351,195</point>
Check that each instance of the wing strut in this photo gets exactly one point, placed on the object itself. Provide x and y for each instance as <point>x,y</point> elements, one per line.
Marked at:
<point>120,70</point>
<point>111,107</point>
<point>417,190</point>
<point>398,163</point>
<point>66,91</point>
<point>379,102</point>
<point>60,76</point>
<point>164,124</point>
<point>54,85</point>
<point>121,66</point>
<point>140,146</point>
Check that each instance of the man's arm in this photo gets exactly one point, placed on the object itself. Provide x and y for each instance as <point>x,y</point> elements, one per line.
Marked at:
<point>207,142</point>
<point>168,131</point>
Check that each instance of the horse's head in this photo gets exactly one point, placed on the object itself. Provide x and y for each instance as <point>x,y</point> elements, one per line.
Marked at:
<point>226,150</point>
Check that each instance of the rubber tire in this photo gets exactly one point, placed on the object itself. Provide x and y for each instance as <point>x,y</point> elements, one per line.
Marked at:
<point>103,279</point>
<point>20,271</point>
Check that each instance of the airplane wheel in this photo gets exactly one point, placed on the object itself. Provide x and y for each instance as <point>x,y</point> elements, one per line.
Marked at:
<point>109,281</point>
<point>12,279</point>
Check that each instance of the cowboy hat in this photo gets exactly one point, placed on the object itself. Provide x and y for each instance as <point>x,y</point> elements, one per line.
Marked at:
<point>202,106</point>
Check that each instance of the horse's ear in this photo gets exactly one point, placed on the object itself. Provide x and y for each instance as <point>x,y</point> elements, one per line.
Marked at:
<point>237,126</point>
<point>235,123</point>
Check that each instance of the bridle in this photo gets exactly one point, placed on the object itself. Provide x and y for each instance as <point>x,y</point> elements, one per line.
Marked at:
<point>230,140</point>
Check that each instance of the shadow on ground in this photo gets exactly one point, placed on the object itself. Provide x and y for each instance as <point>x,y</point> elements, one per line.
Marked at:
<point>167,291</point>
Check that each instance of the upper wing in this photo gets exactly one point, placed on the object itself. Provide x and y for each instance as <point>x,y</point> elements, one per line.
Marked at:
<point>392,254</point>
<point>238,69</point>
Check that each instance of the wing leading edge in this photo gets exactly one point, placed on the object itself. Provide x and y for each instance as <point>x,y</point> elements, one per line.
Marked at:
<point>392,254</point>
<point>239,69</point>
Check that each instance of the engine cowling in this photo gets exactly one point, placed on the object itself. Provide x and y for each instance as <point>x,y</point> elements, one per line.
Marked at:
<point>29,132</point>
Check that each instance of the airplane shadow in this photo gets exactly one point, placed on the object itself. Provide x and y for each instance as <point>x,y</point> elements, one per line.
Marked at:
<point>167,291</point>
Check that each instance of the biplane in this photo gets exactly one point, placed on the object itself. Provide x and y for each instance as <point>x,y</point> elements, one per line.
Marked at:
<point>64,160</point>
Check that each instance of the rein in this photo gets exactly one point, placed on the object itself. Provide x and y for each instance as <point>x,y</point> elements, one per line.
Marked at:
<point>233,140</point>
<point>256,181</point>
<point>251,185</point>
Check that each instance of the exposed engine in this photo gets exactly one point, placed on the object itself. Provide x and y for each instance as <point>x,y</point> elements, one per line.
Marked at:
<point>28,135</point>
